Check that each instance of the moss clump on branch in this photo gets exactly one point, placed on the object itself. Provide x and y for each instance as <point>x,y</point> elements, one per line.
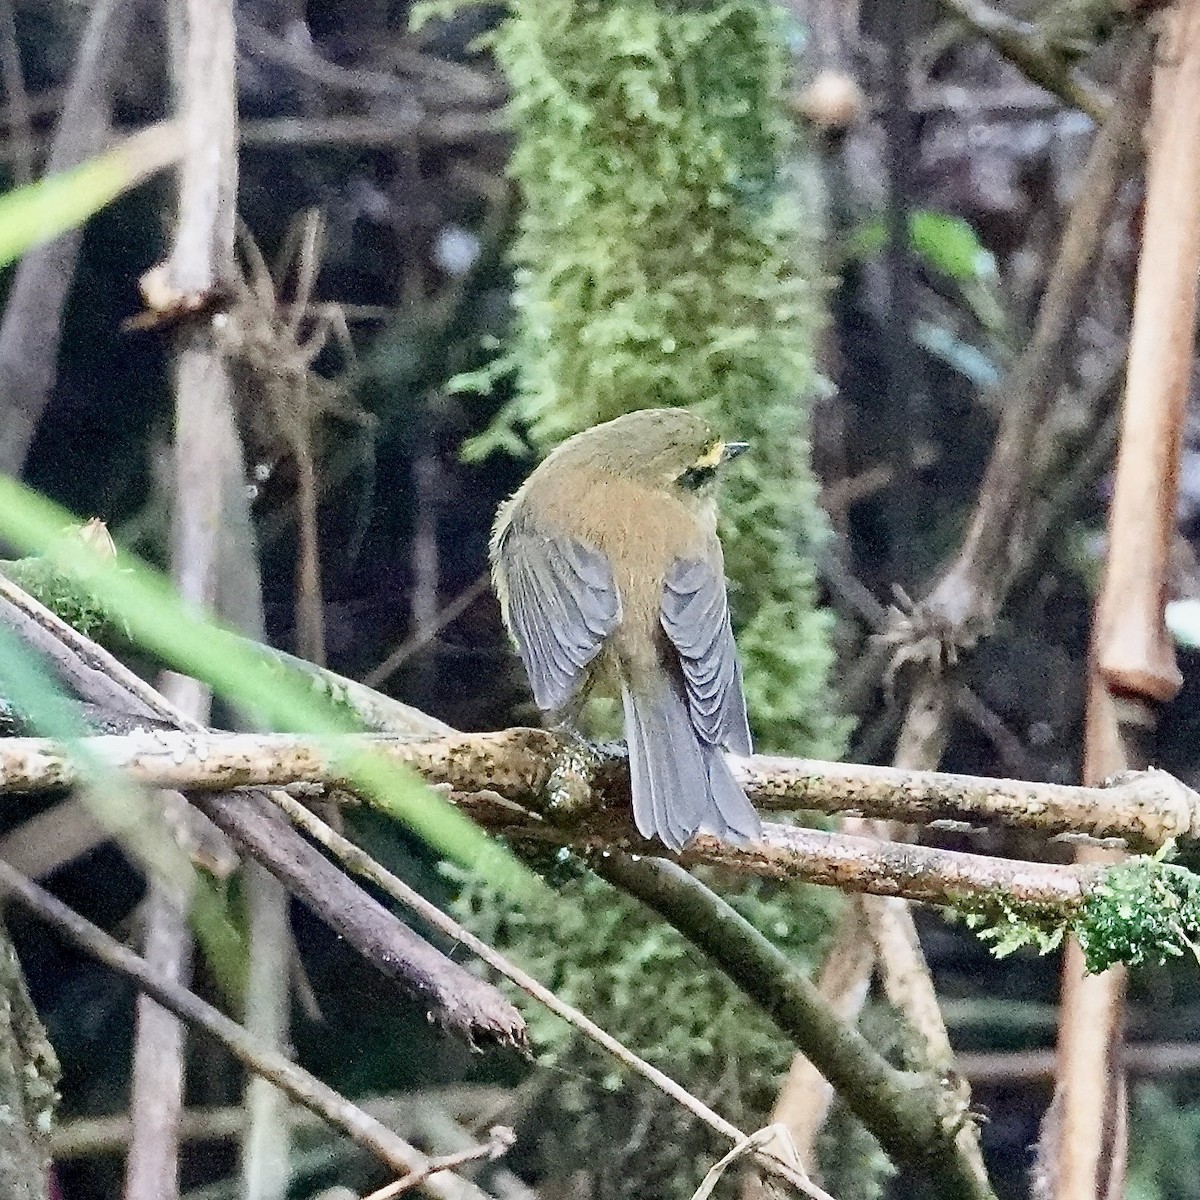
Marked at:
<point>663,259</point>
<point>79,608</point>
<point>1142,911</point>
<point>1010,926</point>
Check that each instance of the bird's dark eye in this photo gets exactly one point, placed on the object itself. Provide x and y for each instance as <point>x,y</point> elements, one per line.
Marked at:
<point>694,478</point>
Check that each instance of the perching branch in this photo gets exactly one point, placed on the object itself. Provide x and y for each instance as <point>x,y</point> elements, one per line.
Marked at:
<point>531,768</point>
<point>503,780</point>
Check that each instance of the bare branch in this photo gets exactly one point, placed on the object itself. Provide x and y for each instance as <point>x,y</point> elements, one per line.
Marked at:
<point>455,999</point>
<point>971,591</point>
<point>32,325</point>
<point>500,1138</point>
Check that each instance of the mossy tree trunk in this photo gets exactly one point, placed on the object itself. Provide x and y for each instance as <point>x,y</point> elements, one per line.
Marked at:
<point>666,258</point>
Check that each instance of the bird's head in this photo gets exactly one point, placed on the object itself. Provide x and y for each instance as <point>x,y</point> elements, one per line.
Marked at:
<point>667,448</point>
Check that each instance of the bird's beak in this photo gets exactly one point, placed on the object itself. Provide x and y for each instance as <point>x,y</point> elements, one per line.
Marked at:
<point>734,450</point>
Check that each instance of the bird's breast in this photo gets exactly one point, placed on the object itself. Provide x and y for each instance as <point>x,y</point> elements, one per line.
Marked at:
<point>642,531</point>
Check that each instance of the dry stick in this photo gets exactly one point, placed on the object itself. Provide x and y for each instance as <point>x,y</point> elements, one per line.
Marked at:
<point>302,1087</point>
<point>18,98</point>
<point>426,634</point>
<point>500,1138</point>
<point>1029,1066</point>
<point>266,1141</point>
<point>1133,666</point>
<point>465,1106</point>
<point>88,667</point>
<point>156,1090</point>
<point>453,998</point>
<point>363,864</point>
<point>969,593</point>
<point>207,472</point>
<point>1022,44</point>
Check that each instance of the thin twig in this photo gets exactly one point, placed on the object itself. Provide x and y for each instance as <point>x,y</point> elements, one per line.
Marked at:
<point>500,1139</point>
<point>31,329</point>
<point>18,97</point>
<point>1022,44</point>
<point>426,634</point>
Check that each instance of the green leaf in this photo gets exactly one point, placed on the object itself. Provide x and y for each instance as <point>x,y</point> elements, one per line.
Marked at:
<point>949,245</point>
<point>248,675</point>
<point>944,243</point>
<point>41,211</point>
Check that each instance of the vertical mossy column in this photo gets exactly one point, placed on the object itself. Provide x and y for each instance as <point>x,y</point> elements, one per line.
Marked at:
<point>663,259</point>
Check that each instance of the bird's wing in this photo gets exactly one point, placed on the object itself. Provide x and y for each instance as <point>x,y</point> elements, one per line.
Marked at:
<point>695,617</point>
<point>561,604</point>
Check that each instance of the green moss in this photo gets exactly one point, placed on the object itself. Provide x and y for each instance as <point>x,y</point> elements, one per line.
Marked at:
<point>1142,911</point>
<point>1010,926</point>
<point>80,609</point>
<point>663,259</point>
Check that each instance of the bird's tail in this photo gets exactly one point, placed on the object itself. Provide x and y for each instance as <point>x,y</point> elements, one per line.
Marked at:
<point>681,786</point>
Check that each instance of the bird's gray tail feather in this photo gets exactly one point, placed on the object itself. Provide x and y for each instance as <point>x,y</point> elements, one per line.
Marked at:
<point>681,786</point>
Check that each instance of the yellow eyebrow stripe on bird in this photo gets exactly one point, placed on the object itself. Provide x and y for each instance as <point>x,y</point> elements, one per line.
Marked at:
<point>712,456</point>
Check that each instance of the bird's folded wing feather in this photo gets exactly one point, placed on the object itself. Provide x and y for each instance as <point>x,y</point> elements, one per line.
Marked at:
<point>562,604</point>
<point>695,617</point>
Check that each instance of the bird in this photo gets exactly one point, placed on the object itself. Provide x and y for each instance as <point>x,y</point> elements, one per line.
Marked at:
<point>611,580</point>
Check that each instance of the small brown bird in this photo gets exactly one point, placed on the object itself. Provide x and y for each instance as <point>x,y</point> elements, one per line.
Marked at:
<point>611,578</point>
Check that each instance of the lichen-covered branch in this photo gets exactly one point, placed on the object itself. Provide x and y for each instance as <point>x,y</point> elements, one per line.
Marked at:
<point>512,781</point>
<point>535,770</point>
